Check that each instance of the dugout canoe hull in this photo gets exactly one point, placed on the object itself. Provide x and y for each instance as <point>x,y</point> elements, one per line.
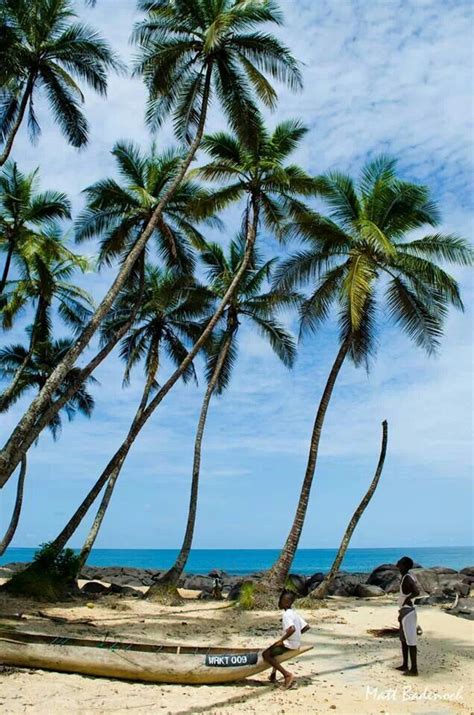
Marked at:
<point>133,661</point>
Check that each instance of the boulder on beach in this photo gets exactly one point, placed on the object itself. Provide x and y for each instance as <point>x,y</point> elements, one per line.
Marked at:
<point>94,588</point>
<point>468,571</point>
<point>199,582</point>
<point>387,577</point>
<point>298,584</point>
<point>427,580</point>
<point>364,590</point>
<point>313,581</point>
<point>345,584</point>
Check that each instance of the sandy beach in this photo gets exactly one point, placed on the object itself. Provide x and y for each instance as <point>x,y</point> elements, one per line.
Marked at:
<point>348,671</point>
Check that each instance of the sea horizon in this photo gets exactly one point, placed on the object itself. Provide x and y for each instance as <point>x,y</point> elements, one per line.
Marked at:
<point>247,561</point>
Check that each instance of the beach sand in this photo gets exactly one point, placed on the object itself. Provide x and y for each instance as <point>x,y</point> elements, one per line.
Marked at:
<point>348,671</point>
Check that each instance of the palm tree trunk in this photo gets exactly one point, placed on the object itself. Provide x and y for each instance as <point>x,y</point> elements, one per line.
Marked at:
<point>14,444</point>
<point>111,471</point>
<point>57,376</point>
<point>58,404</point>
<point>6,268</point>
<point>10,532</point>
<point>95,528</point>
<point>6,396</point>
<point>172,576</point>
<point>323,587</point>
<point>277,575</point>
<point>115,464</point>
<point>21,113</point>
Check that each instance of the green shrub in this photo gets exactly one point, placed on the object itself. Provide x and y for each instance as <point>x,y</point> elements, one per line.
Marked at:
<point>246,596</point>
<point>50,577</point>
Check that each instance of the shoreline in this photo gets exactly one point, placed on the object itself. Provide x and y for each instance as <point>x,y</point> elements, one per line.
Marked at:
<point>437,584</point>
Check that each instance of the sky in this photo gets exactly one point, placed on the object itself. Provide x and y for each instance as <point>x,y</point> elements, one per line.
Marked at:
<point>392,77</point>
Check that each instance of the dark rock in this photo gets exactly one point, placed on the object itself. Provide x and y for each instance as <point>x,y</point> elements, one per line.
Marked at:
<point>345,584</point>
<point>124,591</point>
<point>314,581</point>
<point>464,608</point>
<point>447,580</point>
<point>437,596</point>
<point>234,592</point>
<point>468,571</point>
<point>387,577</point>
<point>427,580</point>
<point>217,573</point>
<point>442,569</point>
<point>15,566</point>
<point>298,584</point>
<point>198,583</point>
<point>94,587</point>
<point>364,590</point>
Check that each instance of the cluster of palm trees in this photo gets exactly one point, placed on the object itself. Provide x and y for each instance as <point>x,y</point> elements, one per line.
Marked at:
<point>150,224</point>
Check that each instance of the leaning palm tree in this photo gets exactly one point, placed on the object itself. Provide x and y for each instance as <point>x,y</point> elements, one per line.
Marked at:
<point>360,253</point>
<point>39,365</point>
<point>11,529</point>
<point>24,213</point>
<point>117,212</point>
<point>169,308</point>
<point>190,51</point>
<point>44,284</point>
<point>47,52</point>
<point>321,590</point>
<point>249,304</point>
<point>13,358</point>
<point>263,180</point>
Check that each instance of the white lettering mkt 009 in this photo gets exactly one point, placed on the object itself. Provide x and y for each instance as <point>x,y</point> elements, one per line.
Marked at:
<point>227,660</point>
<point>411,694</point>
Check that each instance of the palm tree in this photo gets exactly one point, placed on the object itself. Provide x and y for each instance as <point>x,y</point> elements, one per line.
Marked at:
<point>47,52</point>
<point>11,529</point>
<point>355,256</point>
<point>38,366</point>
<point>188,48</point>
<point>262,179</point>
<point>323,587</point>
<point>24,213</point>
<point>247,304</point>
<point>117,213</point>
<point>44,283</point>
<point>35,368</point>
<point>169,308</point>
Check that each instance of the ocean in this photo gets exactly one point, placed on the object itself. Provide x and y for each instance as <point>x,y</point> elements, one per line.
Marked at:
<point>247,561</point>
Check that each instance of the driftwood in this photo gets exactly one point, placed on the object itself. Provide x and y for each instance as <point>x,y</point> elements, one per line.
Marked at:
<point>41,614</point>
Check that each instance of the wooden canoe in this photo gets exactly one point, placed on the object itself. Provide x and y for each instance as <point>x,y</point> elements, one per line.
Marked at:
<point>133,661</point>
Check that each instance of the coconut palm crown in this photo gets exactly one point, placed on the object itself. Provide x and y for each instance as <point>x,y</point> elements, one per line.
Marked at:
<point>117,212</point>
<point>362,254</point>
<point>192,51</point>
<point>48,51</point>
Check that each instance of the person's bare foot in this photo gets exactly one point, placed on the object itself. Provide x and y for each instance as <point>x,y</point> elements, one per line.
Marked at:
<point>289,681</point>
<point>412,673</point>
<point>403,668</point>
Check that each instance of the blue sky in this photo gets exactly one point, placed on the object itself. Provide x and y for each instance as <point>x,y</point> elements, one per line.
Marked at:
<point>384,76</point>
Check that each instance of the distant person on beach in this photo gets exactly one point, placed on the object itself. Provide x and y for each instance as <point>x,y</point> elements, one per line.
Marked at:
<point>293,626</point>
<point>217,586</point>
<point>407,616</point>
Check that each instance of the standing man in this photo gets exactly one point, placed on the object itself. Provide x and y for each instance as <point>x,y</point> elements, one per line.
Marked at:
<point>407,616</point>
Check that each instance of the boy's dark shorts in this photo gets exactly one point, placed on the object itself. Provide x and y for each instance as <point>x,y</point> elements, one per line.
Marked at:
<point>278,650</point>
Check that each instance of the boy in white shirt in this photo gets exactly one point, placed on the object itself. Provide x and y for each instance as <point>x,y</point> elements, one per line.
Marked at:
<point>293,626</point>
